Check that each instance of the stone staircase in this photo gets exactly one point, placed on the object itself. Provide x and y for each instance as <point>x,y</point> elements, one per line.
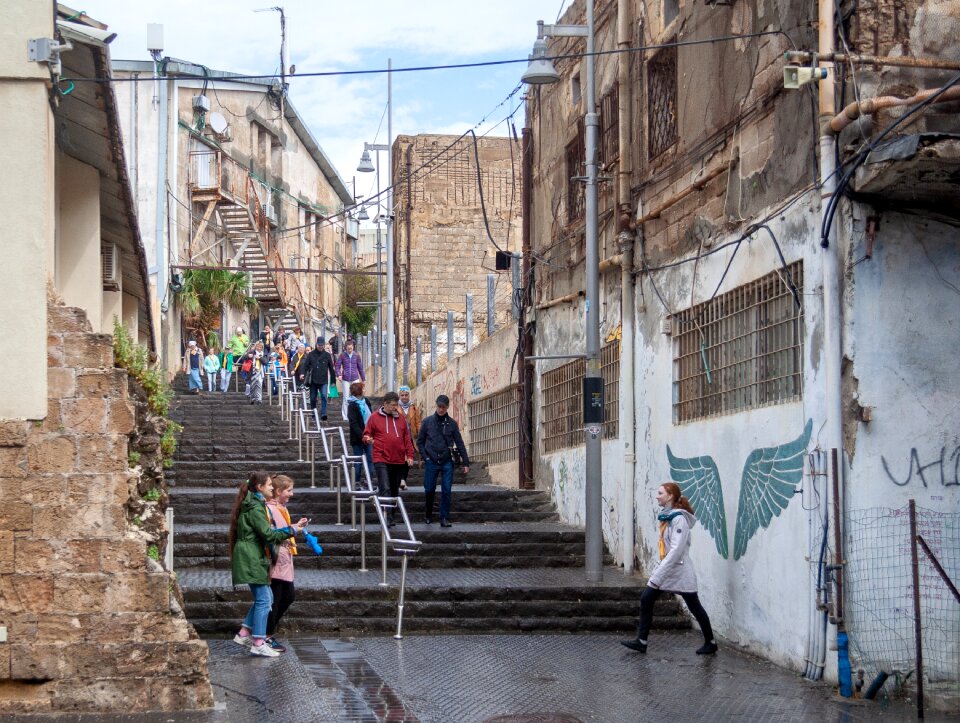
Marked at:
<point>507,565</point>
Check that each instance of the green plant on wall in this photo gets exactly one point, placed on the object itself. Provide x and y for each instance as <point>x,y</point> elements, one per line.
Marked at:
<point>205,295</point>
<point>357,288</point>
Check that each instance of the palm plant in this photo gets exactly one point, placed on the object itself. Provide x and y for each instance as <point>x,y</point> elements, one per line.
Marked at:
<point>205,294</point>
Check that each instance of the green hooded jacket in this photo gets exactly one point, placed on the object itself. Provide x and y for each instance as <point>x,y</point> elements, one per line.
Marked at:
<point>250,565</point>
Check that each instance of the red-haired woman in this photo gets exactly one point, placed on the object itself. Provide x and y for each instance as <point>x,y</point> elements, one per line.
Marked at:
<point>674,573</point>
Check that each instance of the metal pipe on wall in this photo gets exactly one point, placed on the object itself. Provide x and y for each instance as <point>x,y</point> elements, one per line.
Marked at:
<point>625,240</point>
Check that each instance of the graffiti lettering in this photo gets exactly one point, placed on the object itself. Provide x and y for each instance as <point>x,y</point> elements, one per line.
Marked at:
<point>476,383</point>
<point>945,469</point>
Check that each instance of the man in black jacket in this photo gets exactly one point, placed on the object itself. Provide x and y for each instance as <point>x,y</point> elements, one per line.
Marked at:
<point>438,438</point>
<point>317,371</point>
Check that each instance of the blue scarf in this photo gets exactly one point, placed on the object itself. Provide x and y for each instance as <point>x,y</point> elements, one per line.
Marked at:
<point>362,405</point>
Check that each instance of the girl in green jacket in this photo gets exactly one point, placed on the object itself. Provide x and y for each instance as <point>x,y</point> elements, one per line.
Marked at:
<point>251,537</point>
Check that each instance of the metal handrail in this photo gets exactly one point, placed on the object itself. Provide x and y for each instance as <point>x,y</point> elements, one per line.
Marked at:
<point>404,546</point>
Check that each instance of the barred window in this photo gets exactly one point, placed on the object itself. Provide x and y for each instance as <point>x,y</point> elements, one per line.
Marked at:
<point>610,126</point>
<point>493,426</point>
<point>740,350</point>
<point>576,199</point>
<point>661,101</point>
<point>562,406</point>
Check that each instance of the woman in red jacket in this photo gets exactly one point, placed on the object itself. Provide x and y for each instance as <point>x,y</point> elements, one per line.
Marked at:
<point>387,430</point>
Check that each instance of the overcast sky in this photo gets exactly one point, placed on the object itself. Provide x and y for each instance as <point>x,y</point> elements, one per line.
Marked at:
<point>324,35</point>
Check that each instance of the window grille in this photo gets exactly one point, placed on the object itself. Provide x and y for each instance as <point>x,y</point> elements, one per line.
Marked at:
<point>562,407</point>
<point>493,426</point>
<point>576,199</point>
<point>661,101</point>
<point>610,126</point>
<point>751,339</point>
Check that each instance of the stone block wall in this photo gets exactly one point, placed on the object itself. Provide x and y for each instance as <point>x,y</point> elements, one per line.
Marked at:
<point>92,623</point>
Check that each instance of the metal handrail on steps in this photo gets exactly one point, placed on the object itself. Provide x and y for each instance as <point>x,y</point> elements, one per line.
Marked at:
<point>405,546</point>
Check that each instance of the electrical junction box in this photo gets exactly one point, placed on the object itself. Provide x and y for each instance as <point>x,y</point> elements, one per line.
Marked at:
<point>201,103</point>
<point>155,37</point>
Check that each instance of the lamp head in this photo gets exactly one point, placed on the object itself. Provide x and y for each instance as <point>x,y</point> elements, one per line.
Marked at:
<point>540,70</point>
<point>366,165</point>
<point>363,215</point>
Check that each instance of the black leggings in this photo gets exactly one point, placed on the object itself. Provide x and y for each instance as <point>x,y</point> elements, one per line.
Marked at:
<point>283,596</point>
<point>649,597</point>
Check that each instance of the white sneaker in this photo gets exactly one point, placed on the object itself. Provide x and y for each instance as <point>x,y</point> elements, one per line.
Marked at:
<point>245,641</point>
<point>264,649</point>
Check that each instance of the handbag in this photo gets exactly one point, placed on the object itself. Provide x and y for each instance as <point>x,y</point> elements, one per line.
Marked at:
<point>332,392</point>
<point>455,456</point>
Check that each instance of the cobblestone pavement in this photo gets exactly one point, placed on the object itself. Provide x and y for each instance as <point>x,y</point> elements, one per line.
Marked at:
<point>505,679</point>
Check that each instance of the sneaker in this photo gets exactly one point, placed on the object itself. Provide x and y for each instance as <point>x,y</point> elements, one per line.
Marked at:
<point>323,417</point>
<point>264,650</point>
<point>428,520</point>
<point>273,643</point>
<point>634,645</point>
<point>246,641</point>
<point>707,649</point>
<point>445,523</point>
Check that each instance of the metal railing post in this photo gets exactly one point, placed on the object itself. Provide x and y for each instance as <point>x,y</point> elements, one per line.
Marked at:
<point>449,336</point>
<point>168,557</point>
<point>491,305</point>
<point>400,602</point>
<point>433,348</point>
<point>383,555</point>
<point>363,535</point>
<point>406,367</point>
<point>468,322</point>
<point>418,374</point>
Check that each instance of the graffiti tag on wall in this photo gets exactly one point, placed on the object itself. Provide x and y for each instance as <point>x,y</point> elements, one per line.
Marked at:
<point>943,470</point>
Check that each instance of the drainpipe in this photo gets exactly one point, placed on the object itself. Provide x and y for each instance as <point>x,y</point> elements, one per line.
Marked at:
<point>160,246</point>
<point>408,300</point>
<point>628,426</point>
<point>831,257</point>
<point>524,370</point>
<point>832,330</point>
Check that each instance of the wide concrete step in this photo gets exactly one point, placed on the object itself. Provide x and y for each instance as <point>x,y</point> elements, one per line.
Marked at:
<point>436,601</point>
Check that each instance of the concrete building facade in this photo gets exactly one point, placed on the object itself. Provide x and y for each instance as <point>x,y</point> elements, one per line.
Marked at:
<point>89,622</point>
<point>442,241</point>
<point>249,188</point>
<point>713,301</point>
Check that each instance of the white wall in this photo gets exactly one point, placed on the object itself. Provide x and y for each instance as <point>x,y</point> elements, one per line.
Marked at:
<point>79,272</point>
<point>27,188</point>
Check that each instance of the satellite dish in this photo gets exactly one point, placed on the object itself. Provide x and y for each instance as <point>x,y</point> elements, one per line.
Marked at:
<point>218,123</point>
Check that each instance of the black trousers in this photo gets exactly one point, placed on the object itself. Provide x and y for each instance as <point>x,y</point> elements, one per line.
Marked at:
<point>283,596</point>
<point>389,476</point>
<point>649,597</point>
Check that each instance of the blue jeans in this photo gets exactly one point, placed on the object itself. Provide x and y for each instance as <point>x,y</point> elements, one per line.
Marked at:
<point>365,449</point>
<point>256,620</point>
<point>430,472</point>
<point>320,389</point>
<point>195,382</point>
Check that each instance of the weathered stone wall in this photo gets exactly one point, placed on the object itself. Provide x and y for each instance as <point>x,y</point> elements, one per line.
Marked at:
<point>92,623</point>
<point>442,248</point>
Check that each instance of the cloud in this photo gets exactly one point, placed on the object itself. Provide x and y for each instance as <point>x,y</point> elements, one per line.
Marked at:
<point>344,111</point>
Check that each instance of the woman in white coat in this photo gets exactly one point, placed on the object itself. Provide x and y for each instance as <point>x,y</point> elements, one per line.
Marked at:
<point>674,573</point>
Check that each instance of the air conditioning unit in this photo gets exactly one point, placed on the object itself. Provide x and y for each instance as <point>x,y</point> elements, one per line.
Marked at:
<point>272,213</point>
<point>110,257</point>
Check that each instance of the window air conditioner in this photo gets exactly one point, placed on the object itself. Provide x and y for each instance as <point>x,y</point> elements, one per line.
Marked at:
<point>272,213</point>
<point>110,256</point>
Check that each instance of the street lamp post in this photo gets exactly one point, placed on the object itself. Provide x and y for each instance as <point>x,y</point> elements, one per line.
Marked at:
<point>540,71</point>
<point>366,166</point>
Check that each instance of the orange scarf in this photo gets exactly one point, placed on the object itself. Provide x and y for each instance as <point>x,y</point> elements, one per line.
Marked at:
<point>663,547</point>
<point>292,540</point>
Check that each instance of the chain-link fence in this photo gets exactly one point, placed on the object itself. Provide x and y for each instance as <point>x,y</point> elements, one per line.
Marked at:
<point>880,594</point>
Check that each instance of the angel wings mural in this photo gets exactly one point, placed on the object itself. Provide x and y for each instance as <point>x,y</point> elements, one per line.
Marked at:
<point>769,481</point>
